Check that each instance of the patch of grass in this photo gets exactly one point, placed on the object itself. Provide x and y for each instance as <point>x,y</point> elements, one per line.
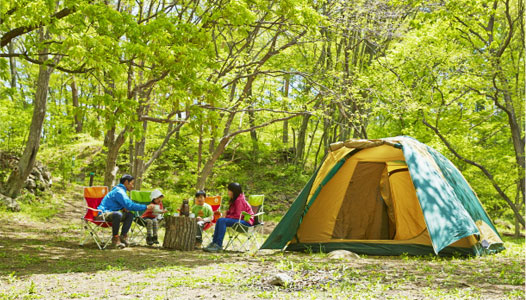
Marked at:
<point>78,295</point>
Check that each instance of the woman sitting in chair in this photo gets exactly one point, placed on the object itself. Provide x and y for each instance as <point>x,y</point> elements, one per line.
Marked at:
<point>237,205</point>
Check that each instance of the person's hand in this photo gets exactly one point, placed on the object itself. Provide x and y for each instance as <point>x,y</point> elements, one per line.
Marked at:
<point>149,206</point>
<point>199,219</point>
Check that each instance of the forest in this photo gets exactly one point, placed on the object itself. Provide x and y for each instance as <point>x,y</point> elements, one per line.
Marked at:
<point>194,94</point>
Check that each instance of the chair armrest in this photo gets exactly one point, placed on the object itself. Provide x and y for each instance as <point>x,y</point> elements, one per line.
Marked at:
<point>259,214</point>
<point>96,212</point>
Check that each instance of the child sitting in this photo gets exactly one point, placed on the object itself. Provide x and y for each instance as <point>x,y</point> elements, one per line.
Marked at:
<point>153,216</point>
<point>203,212</point>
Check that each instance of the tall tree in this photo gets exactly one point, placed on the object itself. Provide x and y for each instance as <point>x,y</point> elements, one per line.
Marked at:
<point>464,81</point>
<point>19,175</point>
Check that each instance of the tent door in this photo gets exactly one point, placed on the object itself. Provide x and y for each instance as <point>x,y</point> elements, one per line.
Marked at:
<point>363,214</point>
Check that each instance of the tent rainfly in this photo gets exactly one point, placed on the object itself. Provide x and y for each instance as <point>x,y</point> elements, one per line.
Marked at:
<point>386,197</point>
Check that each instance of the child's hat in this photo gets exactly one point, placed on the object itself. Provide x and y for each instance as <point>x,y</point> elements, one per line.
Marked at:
<point>155,194</point>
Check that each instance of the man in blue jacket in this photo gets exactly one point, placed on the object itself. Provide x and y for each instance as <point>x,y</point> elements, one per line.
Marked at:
<point>116,207</point>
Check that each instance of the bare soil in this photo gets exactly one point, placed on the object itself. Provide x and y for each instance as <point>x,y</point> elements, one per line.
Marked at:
<point>44,260</point>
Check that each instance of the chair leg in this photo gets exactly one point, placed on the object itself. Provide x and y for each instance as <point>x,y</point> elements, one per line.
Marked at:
<point>86,234</point>
<point>96,233</point>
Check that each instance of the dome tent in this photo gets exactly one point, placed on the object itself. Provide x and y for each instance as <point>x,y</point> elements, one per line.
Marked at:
<point>386,197</point>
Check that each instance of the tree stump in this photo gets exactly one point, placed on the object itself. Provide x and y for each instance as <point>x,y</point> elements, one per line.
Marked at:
<point>180,233</point>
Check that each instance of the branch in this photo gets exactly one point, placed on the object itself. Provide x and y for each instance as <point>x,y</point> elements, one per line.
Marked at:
<point>8,13</point>
<point>159,150</point>
<point>510,32</point>
<point>229,136</point>
<point>158,120</point>
<point>471,30</point>
<point>147,84</point>
<point>248,110</point>
<point>8,36</point>
<point>482,168</point>
<point>79,70</point>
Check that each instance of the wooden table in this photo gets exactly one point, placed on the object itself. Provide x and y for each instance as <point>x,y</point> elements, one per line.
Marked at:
<point>180,233</point>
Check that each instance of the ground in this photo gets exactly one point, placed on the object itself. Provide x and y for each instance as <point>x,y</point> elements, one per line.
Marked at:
<point>43,260</point>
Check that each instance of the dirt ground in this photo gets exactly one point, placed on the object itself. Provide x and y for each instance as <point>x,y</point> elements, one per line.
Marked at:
<point>43,260</point>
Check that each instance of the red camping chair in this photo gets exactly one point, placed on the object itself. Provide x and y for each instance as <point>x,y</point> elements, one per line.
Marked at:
<point>215,203</point>
<point>95,228</point>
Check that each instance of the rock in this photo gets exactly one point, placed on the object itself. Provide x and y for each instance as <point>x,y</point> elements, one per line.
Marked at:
<point>343,254</point>
<point>30,184</point>
<point>10,203</point>
<point>282,198</point>
<point>41,185</point>
<point>280,279</point>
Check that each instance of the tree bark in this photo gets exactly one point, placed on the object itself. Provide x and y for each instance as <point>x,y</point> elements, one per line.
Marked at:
<point>517,221</point>
<point>180,233</point>
<point>253,133</point>
<point>18,177</point>
<point>137,168</point>
<point>207,168</point>
<point>300,147</point>
<point>75,100</point>
<point>12,65</point>
<point>139,164</point>
<point>200,148</point>
<point>285,137</point>
<point>113,145</point>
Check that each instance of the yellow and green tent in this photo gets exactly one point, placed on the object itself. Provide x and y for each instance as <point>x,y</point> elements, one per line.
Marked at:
<point>386,197</point>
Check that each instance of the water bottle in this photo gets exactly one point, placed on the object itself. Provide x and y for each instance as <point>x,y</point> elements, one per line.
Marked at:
<point>185,208</point>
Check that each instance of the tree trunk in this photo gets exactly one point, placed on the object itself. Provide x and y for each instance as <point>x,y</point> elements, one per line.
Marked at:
<point>180,233</point>
<point>318,151</point>
<point>114,145</point>
<point>300,148</point>
<point>253,134</point>
<point>200,148</point>
<point>137,168</point>
<point>76,111</point>
<point>285,137</point>
<point>313,135</point>
<point>138,163</point>
<point>215,153</point>
<point>207,168</point>
<point>12,65</point>
<point>518,203</point>
<point>18,177</point>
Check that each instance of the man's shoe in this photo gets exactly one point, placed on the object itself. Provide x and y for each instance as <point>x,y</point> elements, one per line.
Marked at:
<point>124,240</point>
<point>155,241</point>
<point>213,248</point>
<point>116,243</point>
<point>149,240</point>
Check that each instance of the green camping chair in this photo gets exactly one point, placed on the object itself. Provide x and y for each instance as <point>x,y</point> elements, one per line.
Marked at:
<point>246,238</point>
<point>138,229</point>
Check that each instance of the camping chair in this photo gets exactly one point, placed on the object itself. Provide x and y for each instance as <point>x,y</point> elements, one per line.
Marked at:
<point>252,233</point>
<point>95,228</point>
<point>215,203</point>
<point>138,229</point>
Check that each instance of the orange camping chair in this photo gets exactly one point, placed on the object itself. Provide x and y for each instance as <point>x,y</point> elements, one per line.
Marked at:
<point>95,228</point>
<point>215,203</point>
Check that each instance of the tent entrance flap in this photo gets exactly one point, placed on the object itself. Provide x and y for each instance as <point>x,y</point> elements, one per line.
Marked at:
<point>363,213</point>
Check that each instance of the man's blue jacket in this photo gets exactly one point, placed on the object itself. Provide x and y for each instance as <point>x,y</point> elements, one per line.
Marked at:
<point>117,199</point>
